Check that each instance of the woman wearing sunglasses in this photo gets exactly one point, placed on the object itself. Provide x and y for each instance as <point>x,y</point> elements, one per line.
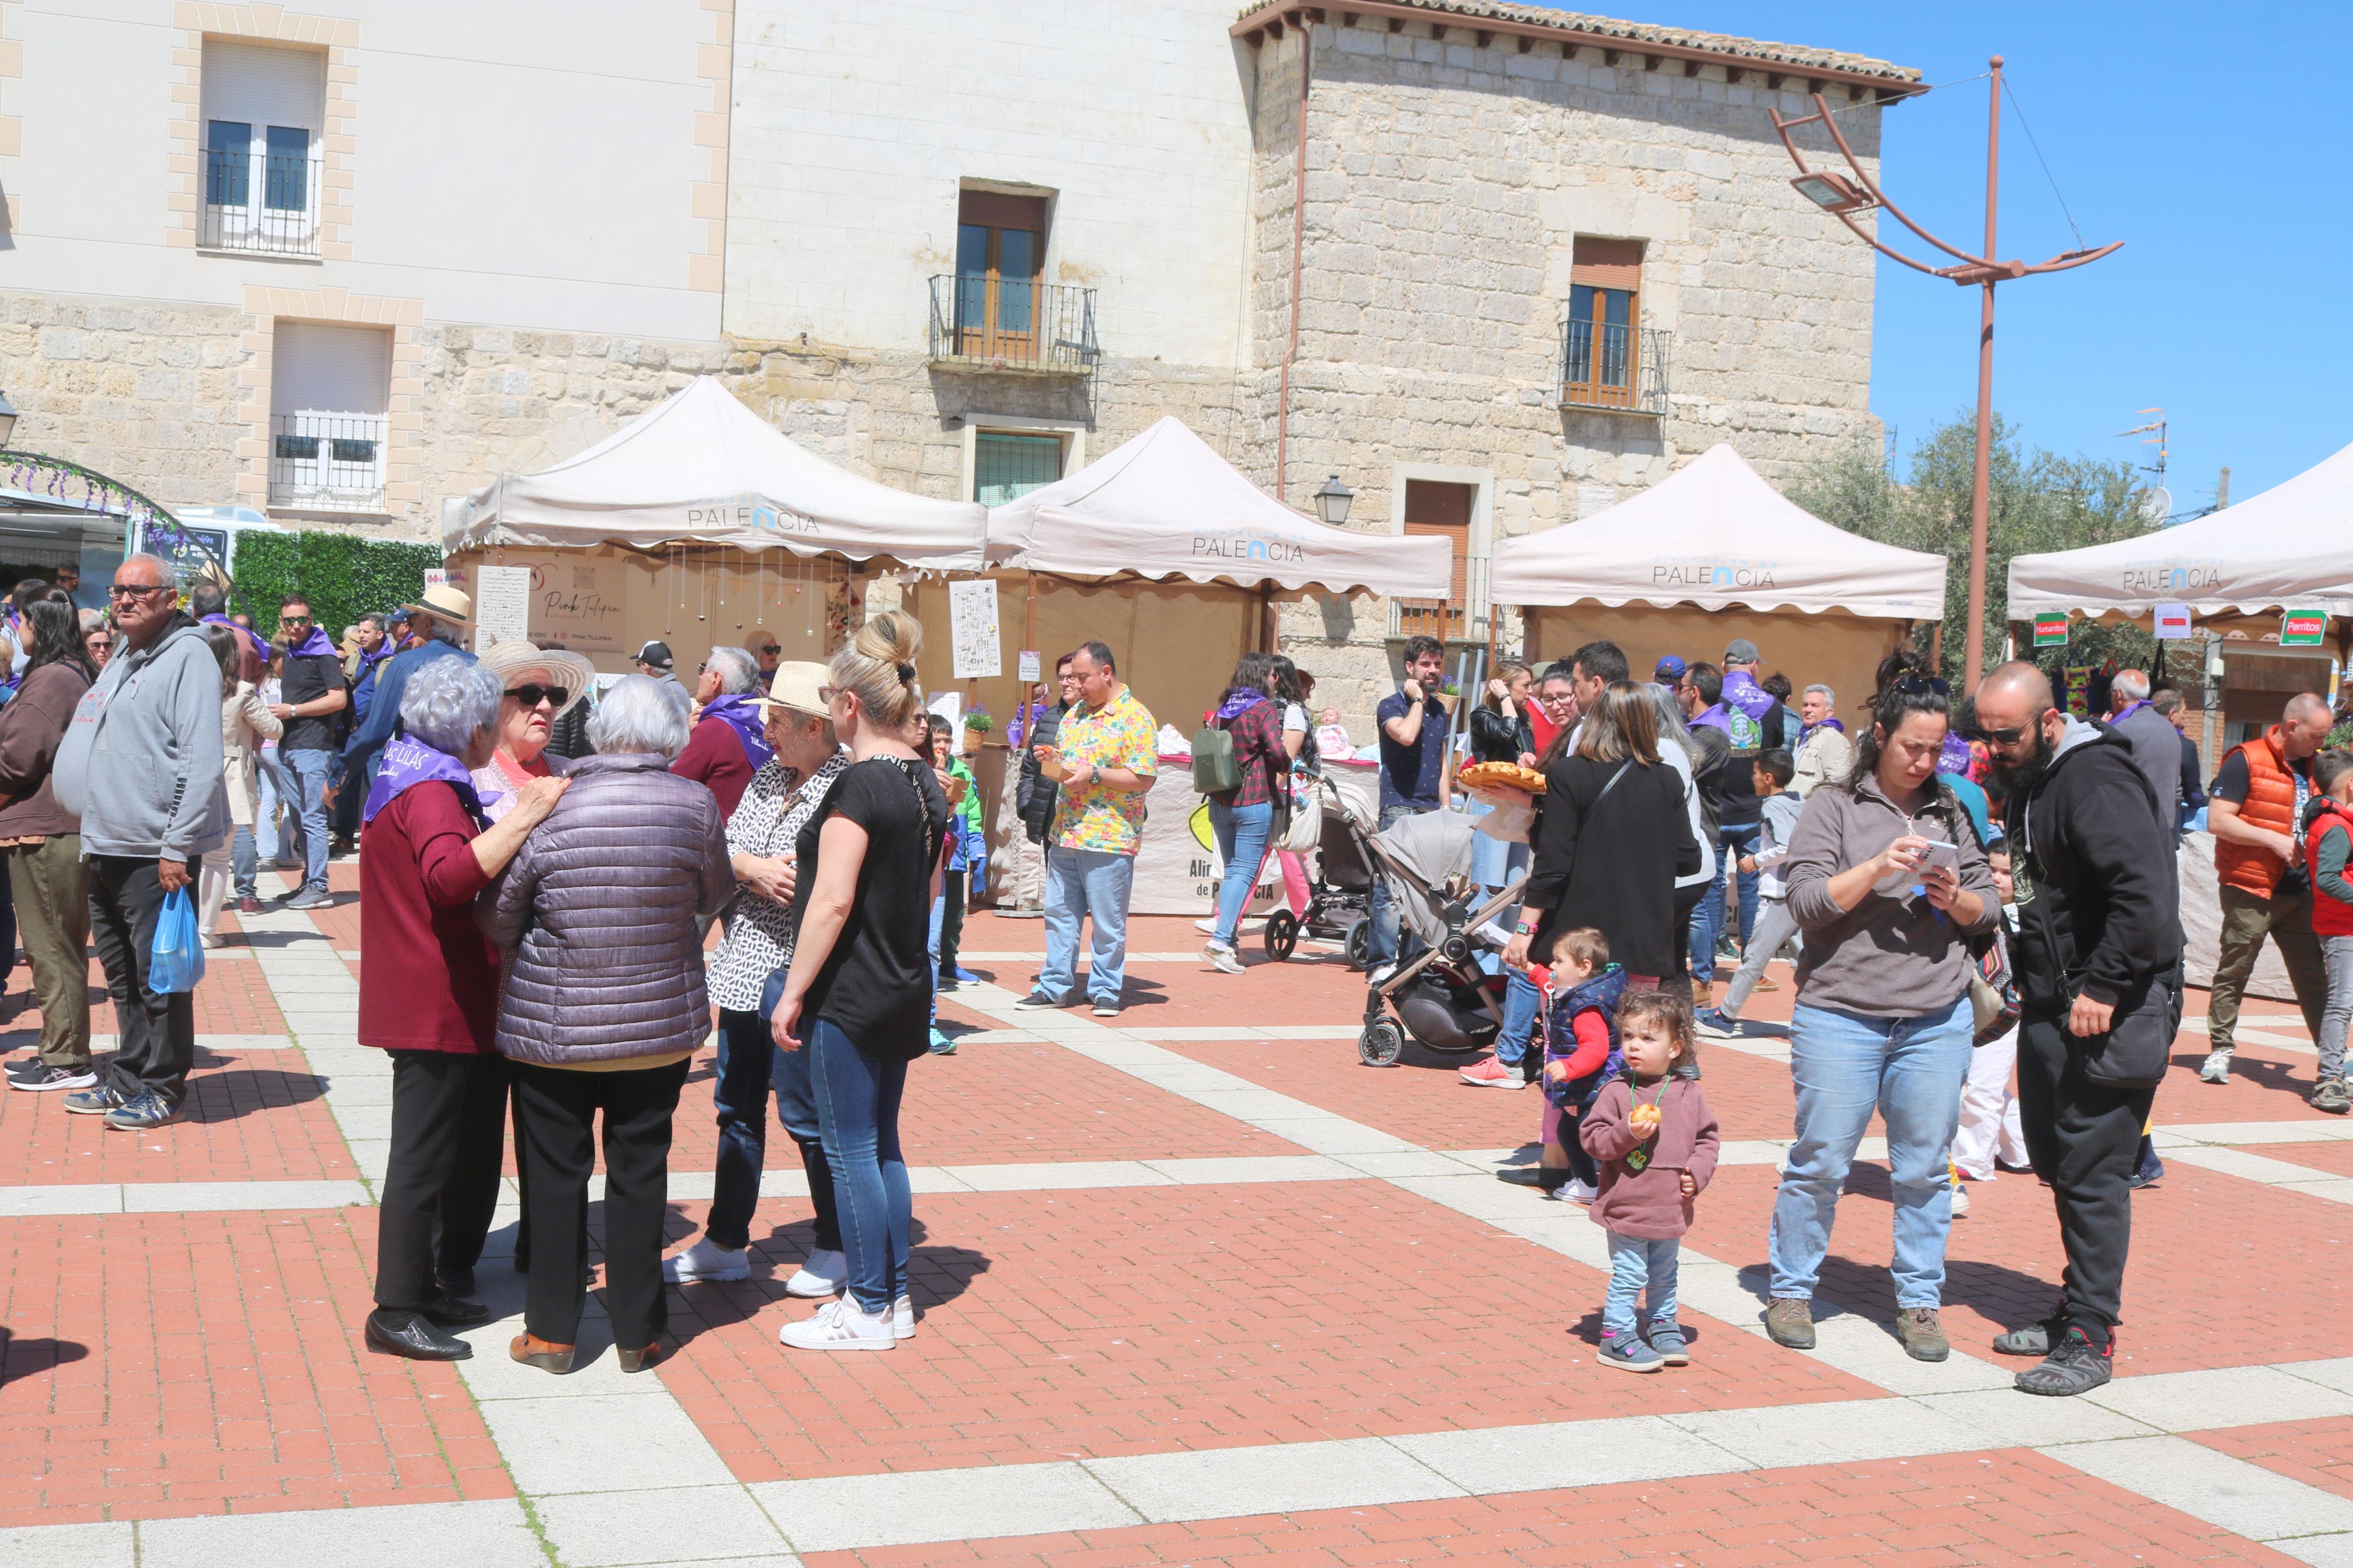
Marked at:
<point>538,685</point>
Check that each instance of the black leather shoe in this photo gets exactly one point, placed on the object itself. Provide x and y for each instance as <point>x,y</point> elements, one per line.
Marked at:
<point>408,1334</point>
<point>457,1312</point>
<point>454,1282</point>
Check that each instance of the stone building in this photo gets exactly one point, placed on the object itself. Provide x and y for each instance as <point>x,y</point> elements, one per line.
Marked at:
<point>1492,265</point>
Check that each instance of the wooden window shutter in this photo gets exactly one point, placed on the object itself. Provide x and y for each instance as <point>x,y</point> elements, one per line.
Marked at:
<point>997,210</point>
<point>1606,263</point>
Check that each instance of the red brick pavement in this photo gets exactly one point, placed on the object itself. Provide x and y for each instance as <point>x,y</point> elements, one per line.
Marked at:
<point>2206,1251</point>
<point>166,1364</point>
<point>1999,1507</point>
<point>1068,1324</point>
<point>2317,1453</point>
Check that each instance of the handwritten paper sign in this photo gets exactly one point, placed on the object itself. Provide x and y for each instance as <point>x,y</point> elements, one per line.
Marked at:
<point>971,630</point>
<point>1027,664</point>
<point>501,606</point>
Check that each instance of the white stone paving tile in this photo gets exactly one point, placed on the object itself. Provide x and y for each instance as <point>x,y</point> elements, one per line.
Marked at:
<point>1842,1432</point>
<point>96,1198</point>
<point>1220,1483</point>
<point>193,1197</point>
<point>601,1442</point>
<point>1567,1454</point>
<point>2271,1173</point>
<point>1078,1174</point>
<point>2025,1421</point>
<point>1253,1168</point>
<point>79,1545</point>
<point>608,1529</point>
<point>487,1534</point>
<point>2223,1396</point>
<point>846,1512</point>
<point>2227,1133</point>
<point>2246,1498</point>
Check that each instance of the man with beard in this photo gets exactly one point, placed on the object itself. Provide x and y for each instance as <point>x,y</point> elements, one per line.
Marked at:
<point>2098,966</point>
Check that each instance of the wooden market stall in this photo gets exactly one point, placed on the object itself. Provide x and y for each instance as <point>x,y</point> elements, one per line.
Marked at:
<point>1712,554</point>
<point>696,524</point>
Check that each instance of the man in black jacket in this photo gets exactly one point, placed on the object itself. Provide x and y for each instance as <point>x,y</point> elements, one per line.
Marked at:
<point>2098,966</point>
<point>1034,794</point>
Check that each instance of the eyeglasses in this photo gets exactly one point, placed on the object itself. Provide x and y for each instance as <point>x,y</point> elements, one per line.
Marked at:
<point>827,693</point>
<point>135,590</point>
<point>531,695</point>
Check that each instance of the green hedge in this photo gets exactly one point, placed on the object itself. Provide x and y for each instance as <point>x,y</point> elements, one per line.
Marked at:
<point>341,574</point>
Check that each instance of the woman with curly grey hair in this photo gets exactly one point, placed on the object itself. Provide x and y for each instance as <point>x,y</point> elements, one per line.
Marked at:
<point>428,994</point>
<point>602,915</point>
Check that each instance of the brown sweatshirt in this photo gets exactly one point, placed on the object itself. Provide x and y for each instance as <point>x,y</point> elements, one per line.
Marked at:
<point>1650,1202</point>
<point>31,725</point>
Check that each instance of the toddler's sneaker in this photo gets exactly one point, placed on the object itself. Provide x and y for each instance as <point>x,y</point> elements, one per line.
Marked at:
<point>1574,1192</point>
<point>1489,1072</point>
<point>1627,1352</point>
<point>2331,1095</point>
<point>1666,1337</point>
<point>1711,1022</point>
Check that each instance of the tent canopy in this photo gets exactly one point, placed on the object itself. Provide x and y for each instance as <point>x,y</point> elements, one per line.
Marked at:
<point>1714,534</point>
<point>1163,505</point>
<point>2288,548</point>
<point>702,469</point>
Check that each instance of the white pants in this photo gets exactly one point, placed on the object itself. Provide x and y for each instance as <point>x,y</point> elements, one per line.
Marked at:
<point>212,889</point>
<point>1989,1126</point>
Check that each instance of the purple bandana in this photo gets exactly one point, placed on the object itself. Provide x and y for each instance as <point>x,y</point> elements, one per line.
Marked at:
<point>742,714</point>
<point>1955,757</point>
<point>408,762</point>
<point>317,643</point>
<point>260,646</point>
<point>1239,701</point>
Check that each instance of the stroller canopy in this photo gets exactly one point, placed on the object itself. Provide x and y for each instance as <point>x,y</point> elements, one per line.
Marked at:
<point>1433,848</point>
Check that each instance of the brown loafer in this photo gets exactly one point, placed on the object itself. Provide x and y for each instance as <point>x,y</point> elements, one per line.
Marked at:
<point>545,1355</point>
<point>637,1361</point>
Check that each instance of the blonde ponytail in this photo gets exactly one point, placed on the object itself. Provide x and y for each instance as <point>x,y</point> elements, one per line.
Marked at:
<point>878,666</point>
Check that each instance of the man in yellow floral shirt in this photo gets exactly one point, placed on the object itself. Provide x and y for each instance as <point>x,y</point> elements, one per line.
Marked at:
<point>1106,752</point>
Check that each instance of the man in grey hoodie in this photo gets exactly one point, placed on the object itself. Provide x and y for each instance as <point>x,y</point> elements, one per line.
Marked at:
<point>141,765</point>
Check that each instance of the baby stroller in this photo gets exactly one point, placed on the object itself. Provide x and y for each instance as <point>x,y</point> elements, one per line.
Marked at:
<point>1340,889</point>
<point>1437,993</point>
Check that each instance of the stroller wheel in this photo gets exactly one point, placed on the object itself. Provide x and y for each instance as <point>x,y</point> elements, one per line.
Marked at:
<point>1381,1044</point>
<point>1357,943</point>
<point>1282,934</point>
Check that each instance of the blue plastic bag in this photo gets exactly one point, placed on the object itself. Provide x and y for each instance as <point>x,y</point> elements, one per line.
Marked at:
<point>175,962</point>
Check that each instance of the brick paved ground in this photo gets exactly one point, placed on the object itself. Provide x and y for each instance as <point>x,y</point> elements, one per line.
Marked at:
<point>1353,1346</point>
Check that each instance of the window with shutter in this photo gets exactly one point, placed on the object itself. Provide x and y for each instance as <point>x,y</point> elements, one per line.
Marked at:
<point>330,388</point>
<point>1001,251</point>
<point>1434,507</point>
<point>1603,361</point>
<point>263,108</point>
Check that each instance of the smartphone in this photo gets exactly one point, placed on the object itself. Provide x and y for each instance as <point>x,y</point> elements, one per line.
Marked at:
<point>1942,854</point>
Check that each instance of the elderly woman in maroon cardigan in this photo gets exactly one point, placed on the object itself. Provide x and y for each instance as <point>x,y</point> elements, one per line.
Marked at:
<point>428,995</point>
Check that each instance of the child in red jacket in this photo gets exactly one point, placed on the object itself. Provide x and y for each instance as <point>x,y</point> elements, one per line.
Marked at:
<point>1657,1141</point>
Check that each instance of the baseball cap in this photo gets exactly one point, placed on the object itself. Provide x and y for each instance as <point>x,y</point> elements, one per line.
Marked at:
<point>1670,670</point>
<point>1740,650</point>
<point>655,654</point>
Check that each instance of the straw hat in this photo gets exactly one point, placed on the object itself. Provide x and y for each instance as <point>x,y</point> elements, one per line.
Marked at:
<point>443,602</point>
<point>515,657</point>
<point>796,687</point>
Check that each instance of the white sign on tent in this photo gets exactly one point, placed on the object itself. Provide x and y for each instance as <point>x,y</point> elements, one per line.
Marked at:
<point>972,630</point>
<point>501,606</point>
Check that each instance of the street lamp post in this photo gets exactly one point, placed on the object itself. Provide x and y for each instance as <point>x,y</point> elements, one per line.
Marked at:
<point>1842,197</point>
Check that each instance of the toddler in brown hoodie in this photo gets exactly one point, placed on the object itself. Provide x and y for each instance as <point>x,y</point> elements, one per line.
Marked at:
<point>1656,1142</point>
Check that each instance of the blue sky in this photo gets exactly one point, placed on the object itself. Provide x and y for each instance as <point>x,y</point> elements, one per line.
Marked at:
<point>2213,140</point>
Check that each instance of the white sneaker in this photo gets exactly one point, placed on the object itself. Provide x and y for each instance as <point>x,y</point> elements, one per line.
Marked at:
<point>902,1318</point>
<point>841,1325</point>
<point>1575,1191</point>
<point>2217,1069</point>
<point>706,1260</point>
<point>1206,927</point>
<point>1224,959</point>
<point>824,1274</point>
<point>1960,1199</point>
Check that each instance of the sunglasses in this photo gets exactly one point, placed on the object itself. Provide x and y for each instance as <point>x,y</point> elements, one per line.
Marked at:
<point>293,620</point>
<point>533,695</point>
<point>2010,737</point>
<point>771,649</point>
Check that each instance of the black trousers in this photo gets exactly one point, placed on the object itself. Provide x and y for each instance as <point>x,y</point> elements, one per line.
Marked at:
<point>2084,1140</point>
<point>158,1042</point>
<point>558,1108</point>
<point>441,1178</point>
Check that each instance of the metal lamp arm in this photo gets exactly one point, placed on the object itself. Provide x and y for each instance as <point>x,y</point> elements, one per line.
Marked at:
<point>1868,183</point>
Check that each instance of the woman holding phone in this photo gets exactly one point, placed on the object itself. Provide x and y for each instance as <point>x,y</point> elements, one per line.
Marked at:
<point>1888,882</point>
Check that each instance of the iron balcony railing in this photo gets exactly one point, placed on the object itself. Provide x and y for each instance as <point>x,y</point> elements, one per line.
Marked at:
<point>1009,323</point>
<point>1464,618</point>
<point>1614,366</point>
<point>261,201</point>
<point>329,462</point>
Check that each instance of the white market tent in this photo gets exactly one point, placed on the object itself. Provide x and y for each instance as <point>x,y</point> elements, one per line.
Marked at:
<point>702,469</point>
<point>2288,548</point>
<point>1163,505</point>
<point>1711,553</point>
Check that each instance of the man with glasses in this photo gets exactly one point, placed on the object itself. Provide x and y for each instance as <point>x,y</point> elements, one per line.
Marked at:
<point>2098,967</point>
<point>312,689</point>
<point>140,766</point>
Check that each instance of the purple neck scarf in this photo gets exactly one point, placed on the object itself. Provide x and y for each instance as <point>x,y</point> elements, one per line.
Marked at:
<point>1741,692</point>
<point>741,714</point>
<point>408,762</point>
<point>1239,701</point>
<point>1807,733</point>
<point>260,646</point>
<point>317,643</point>
<point>2130,708</point>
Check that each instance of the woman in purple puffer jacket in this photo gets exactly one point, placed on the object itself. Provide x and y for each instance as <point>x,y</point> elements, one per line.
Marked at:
<point>600,922</point>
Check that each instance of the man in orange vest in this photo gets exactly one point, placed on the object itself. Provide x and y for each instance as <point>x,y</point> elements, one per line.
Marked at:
<point>2256,812</point>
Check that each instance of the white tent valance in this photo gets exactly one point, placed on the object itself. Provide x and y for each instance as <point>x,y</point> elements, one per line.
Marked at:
<point>702,469</point>
<point>2288,548</point>
<point>1714,533</point>
<point>1163,505</point>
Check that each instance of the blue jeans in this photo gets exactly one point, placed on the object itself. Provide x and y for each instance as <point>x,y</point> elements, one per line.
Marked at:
<point>1381,944</point>
<point>1083,884</point>
<point>1242,832</point>
<point>241,863</point>
<point>277,785</point>
<point>1636,1261</point>
<point>311,770</point>
<point>1707,921</point>
<point>750,1066</point>
<point>1521,1002</point>
<point>1493,861</point>
<point>858,1100</point>
<point>1845,1066</point>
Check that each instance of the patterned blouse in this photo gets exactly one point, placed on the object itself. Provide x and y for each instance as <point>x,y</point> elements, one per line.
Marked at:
<point>759,938</point>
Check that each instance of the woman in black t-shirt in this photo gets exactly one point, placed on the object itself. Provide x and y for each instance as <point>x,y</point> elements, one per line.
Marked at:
<point>859,995</point>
